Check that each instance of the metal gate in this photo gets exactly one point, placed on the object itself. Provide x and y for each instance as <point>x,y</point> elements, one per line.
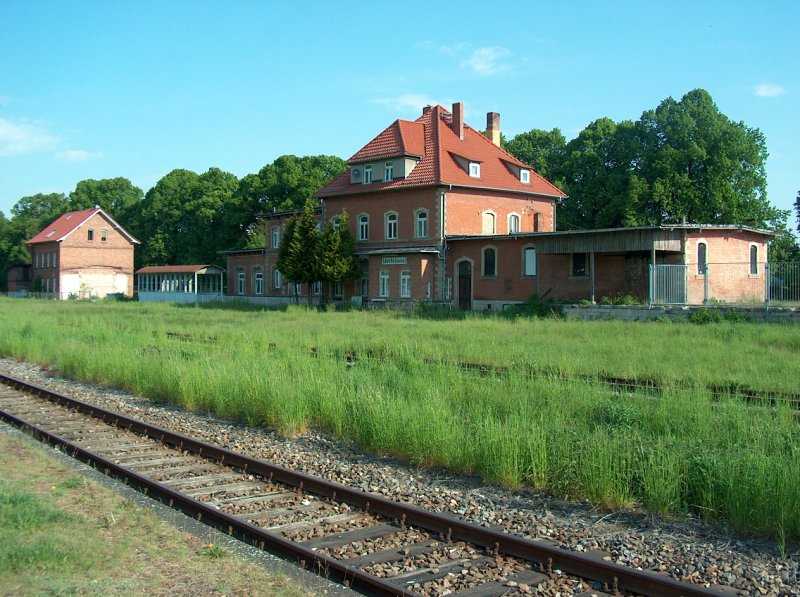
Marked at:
<point>668,285</point>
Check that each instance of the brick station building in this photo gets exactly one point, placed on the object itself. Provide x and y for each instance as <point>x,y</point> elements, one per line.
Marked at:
<point>441,213</point>
<point>82,254</point>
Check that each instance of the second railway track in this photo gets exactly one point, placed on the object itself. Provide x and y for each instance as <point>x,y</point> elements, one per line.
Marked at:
<point>372,544</point>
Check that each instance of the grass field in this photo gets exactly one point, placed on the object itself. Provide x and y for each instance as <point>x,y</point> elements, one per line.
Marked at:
<point>515,401</point>
<point>61,534</point>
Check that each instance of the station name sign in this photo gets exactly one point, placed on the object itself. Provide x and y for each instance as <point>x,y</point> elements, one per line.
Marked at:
<point>394,260</point>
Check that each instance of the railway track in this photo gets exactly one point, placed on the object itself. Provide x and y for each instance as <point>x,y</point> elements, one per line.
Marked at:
<point>365,541</point>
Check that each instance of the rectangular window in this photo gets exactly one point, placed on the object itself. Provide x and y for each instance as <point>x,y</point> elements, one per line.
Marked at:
<point>405,283</point>
<point>365,283</point>
<point>240,281</point>
<point>383,287</point>
<point>388,172</point>
<point>90,234</point>
<point>363,227</point>
<point>579,262</point>
<point>103,235</point>
<point>338,289</point>
<point>530,261</point>
<point>474,169</point>
<point>259,282</point>
<point>753,260</point>
<point>367,174</point>
<point>276,237</point>
<point>525,176</point>
<point>513,224</point>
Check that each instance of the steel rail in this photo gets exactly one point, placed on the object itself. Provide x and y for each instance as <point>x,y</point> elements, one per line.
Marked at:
<point>616,576</point>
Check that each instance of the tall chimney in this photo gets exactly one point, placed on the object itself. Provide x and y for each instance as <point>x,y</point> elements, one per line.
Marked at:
<point>425,110</point>
<point>493,127</point>
<point>458,119</point>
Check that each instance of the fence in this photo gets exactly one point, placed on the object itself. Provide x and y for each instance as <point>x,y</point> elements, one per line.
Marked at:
<point>747,283</point>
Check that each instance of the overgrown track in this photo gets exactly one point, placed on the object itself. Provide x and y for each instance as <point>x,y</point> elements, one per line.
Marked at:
<point>365,541</point>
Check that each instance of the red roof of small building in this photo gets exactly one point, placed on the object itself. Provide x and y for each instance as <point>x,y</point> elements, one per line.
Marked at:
<point>67,223</point>
<point>443,159</point>
<point>174,269</point>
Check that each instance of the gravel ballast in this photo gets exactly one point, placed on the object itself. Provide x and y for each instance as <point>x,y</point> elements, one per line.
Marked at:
<point>686,549</point>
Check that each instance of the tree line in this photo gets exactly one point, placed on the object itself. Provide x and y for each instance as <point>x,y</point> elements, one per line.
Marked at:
<point>185,218</point>
<point>682,161</point>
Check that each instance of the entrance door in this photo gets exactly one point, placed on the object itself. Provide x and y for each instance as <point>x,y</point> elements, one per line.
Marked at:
<point>465,285</point>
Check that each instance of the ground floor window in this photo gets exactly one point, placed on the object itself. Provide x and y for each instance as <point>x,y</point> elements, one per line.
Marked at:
<point>383,283</point>
<point>259,278</point>
<point>405,283</point>
<point>365,283</point>
<point>489,262</point>
<point>579,262</point>
<point>241,281</point>
<point>529,258</point>
<point>338,289</point>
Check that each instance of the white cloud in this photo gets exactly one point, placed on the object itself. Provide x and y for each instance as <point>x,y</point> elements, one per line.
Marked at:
<point>408,102</point>
<point>486,61</point>
<point>769,90</point>
<point>24,137</point>
<point>76,155</point>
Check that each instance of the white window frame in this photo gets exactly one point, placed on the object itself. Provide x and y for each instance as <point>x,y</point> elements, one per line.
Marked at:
<point>525,176</point>
<point>363,227</point>
<point>276,237</point>
<point>241,281</point>
<point>405,283</point>
<point>277,279</point>
<point>513,223</point>
<point>258,277</point>
<point>388,172</point>
<point>391,223</point>
<point>421,223</point>
<point>367,174</point>
<point>383,283</point>
<point>475,169</point>
<point>336,221</point>
<point>484,219</point>
<point>529,261</point>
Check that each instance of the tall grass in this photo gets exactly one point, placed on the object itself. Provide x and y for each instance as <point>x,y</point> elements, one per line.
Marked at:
<point>394,385</point>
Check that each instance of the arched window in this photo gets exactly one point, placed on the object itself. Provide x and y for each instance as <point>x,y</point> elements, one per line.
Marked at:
<point>489,262</point>
<point>488,223</point>
<point>258,275</point>
<point>753,260</point>
<point>391,225</point>
<point>529,261</point>
<point>422,223</point>
<point>363,227</point>
<point>702,259</point>
<point>241,280</point>
<point>276,278</point>
<point>513,224</point>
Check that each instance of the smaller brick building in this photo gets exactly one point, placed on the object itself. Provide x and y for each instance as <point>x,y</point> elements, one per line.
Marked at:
<point>82,254</point>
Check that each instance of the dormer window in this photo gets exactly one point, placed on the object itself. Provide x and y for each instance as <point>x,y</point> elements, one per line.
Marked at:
<point>474,169</point>
<point>355,175</point>
<point>367,174</point>
<point>388,172</point>
<point>525,176</point>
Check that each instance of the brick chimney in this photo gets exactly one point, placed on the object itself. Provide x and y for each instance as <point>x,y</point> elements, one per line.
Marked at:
<point>458,119</point>
<point>493,127</point>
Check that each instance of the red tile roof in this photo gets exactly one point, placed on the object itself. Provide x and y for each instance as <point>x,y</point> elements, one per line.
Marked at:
<point>174,269</point>
<point>443,159</point>
<point>67,223</point>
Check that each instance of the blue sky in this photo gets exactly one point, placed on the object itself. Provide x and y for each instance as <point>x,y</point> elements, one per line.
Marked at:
<point>136,89</point>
